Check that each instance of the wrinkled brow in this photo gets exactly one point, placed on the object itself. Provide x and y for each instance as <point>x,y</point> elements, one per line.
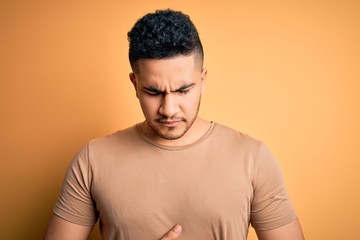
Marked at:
<point>156,90</point>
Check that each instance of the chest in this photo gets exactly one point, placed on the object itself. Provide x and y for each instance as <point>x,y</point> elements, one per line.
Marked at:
<point>143,198</point>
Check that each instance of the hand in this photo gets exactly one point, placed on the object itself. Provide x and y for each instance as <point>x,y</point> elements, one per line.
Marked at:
<point>173,233</point>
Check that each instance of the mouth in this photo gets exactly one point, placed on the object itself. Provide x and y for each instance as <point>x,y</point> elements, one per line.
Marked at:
<point>170,123</point>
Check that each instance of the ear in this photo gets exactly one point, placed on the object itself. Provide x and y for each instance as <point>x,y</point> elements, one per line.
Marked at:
<point>203,77</point>
<point>133,81</point>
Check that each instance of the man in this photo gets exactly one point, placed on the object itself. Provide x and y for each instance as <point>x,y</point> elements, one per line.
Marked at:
<point>175,175</point>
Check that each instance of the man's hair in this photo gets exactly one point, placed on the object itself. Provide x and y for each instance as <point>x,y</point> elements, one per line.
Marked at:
<point>163,34</point>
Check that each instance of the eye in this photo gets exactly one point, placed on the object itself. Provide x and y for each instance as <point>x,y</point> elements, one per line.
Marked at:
<point>183,91</point>
<point>153,94</point>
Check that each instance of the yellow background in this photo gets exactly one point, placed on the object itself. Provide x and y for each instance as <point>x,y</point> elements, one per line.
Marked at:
<point>286,72</point>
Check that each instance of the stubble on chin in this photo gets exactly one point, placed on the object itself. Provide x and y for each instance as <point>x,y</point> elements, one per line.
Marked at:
<point>170,133</point>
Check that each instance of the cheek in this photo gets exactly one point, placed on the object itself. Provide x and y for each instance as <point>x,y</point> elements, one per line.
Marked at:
<point>192,101</point>
<point>149,105</point>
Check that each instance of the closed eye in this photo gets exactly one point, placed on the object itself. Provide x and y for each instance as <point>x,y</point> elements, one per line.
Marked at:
<point>152,91</point>
<point>183,91</point>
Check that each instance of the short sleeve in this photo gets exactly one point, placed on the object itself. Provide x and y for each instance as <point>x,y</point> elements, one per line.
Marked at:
<point>271,207</point>
<point>75,203</point>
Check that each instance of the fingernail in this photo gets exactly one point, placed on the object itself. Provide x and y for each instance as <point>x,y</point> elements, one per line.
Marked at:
<point>177,228</point>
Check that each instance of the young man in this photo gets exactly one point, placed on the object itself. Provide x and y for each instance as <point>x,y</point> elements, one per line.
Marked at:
<point>175,175</point>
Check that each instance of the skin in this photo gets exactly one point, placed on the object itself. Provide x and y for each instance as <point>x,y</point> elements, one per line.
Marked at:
<point>173,233</point>
<point>169,92</point>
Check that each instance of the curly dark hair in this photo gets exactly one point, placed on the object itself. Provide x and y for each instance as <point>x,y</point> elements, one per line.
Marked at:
<point>163,34</point>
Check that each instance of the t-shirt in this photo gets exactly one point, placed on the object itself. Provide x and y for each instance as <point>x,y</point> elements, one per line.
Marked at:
<point>138,189</point>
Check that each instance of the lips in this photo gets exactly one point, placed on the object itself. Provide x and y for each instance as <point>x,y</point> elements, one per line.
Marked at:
<point>170,122</point>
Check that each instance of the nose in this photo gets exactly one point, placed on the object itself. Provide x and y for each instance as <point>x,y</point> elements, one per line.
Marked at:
<point>169,106</point>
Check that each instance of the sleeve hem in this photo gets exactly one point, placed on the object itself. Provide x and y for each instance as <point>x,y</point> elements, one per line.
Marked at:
<point>274,225</point>
<point>74,219</point>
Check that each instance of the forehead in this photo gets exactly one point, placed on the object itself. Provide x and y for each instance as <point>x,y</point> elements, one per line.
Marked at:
<point>193,58</point>
<point>176,69</point>
<point>178,62</point>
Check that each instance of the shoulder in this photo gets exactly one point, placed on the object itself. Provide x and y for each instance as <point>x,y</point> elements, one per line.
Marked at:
<point>119,135</point>
<point>226,135</point>
<point>110,146</point>
<point>125,137</point>
<point>242,145</point>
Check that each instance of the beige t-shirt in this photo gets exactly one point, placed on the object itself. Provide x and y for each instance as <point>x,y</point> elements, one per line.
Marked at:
<point>138,189</point>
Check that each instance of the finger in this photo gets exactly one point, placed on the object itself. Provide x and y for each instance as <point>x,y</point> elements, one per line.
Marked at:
<point>173,233</point>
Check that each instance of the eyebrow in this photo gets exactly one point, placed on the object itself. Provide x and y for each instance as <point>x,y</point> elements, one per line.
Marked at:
<point>155,90</point>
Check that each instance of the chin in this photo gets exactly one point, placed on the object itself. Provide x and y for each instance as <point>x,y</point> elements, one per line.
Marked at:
<point>171,136</point>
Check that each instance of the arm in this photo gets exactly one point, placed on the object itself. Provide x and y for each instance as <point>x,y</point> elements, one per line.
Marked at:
<point>60,229</point>
<point>291,231</point>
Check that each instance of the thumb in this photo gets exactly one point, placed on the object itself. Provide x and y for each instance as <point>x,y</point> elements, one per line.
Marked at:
<point>173,233</point>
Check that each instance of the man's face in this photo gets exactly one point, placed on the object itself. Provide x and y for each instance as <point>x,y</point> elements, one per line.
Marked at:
<point>169,91</point>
